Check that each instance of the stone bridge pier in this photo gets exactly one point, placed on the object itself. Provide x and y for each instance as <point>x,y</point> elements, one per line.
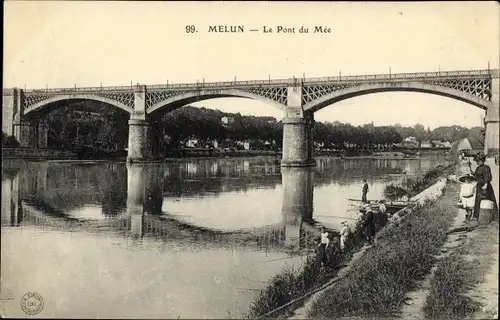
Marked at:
<point>139,140</point>
<point>298,146</point>
<point>491,122</point>
<point>31,133</point>
<point>297,208</point>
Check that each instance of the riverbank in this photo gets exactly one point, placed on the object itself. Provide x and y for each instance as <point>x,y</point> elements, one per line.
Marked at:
<point>37,154</point>
<point>390,269</point>
<point>54,154</point>
<point>287,290</point>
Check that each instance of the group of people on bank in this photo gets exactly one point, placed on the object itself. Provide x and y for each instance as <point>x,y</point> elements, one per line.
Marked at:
<point>368,222</point>
<point>476,187</point>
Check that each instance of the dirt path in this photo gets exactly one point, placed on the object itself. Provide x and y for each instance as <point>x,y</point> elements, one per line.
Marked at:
<point>479,246</point>
<point>416,299</point>
<point>486,292</point>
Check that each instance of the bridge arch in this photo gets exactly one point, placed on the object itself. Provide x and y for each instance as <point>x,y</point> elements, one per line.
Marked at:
<point>369,88</point>
<point>178,101</point>
<point>42,104</point>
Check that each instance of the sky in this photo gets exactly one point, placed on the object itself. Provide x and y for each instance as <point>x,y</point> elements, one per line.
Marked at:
<point>63,43</point>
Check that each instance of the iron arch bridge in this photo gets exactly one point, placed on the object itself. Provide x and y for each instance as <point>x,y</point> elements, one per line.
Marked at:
<point>299,98</point>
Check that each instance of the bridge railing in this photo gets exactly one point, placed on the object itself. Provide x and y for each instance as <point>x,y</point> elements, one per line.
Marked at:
<point>401,76</point>
<point>279,82</point>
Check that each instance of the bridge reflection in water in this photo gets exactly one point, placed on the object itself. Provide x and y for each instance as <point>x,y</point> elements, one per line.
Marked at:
<point>130,200</point>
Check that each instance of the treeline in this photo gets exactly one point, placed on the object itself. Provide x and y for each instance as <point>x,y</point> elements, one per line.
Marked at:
<point>444,133</point>
<point>97,125</point>
<point>89,124</point>
<point>206,124</point>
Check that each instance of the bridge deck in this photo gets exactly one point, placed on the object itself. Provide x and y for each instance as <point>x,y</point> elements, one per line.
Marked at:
<point>395,77</point>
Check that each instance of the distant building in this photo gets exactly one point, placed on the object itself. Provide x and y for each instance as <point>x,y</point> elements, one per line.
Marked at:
<point>244,144</point>
<point>227,120</point>
<point>425,144</point>
<point>411,140</point>
<point>440,144</point>
<point>192,143</point>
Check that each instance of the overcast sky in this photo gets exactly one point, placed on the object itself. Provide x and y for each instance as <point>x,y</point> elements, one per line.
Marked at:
<point>59,44</point>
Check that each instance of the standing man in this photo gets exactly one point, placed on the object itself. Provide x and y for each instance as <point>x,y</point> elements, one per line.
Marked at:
<point>365,191</point>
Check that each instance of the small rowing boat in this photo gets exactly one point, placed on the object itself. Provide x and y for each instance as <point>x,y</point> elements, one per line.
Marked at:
<point>392,206</point>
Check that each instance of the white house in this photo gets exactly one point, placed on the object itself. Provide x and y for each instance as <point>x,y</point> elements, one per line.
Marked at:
<point>425,144</point>
<point>192,142</point>
<point>227,120</point>
<point>244,144</point>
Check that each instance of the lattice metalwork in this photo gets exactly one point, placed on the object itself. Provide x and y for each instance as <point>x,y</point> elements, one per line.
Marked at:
<point>155,97</point>
<point>32,99</point>
<point>278,94</point>
<point>127,98</point>
<point>478,87</point>
<point>311,93</point>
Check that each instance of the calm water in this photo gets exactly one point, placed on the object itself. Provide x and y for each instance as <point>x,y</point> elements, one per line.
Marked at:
<point>188,239</point>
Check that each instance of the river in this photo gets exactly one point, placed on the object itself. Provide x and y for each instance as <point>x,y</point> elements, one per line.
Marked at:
<point>188,238</point>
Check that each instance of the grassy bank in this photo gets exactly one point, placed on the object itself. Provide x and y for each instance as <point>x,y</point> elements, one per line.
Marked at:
<point>291,284</point>
<point>458,273</point>
<point>391,268</point>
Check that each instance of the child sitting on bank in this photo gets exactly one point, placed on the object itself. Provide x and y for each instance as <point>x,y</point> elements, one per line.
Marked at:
<point>467,195</point>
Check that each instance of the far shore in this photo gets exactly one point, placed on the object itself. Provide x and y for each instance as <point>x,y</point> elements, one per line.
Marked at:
<point>68,156</point>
